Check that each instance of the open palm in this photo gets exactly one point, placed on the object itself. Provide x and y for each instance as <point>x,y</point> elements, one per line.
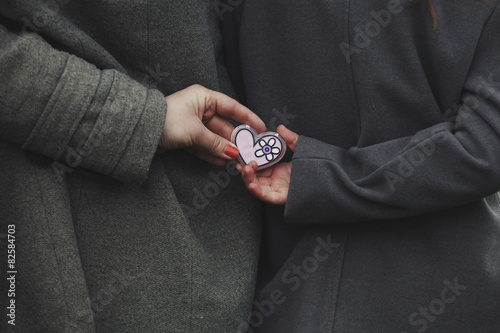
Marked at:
<point>271,185</point>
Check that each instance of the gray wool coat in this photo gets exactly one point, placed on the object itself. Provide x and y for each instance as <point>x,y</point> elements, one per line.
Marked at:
<point>110,237</point>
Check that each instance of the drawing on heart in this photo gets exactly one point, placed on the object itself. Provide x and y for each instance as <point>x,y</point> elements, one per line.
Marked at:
<point>266,149</point>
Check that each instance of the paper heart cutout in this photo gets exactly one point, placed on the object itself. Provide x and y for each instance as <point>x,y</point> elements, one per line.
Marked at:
<point>266,149</point>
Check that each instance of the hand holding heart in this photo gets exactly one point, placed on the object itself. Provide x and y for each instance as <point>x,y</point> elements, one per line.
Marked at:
<point>271,184</point>
<point>195,120</point>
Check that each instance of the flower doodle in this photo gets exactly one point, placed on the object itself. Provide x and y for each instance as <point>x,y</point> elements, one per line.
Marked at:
<point>268,149</point>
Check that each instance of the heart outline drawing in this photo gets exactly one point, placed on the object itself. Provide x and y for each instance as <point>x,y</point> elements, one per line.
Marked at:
<point>266,149</point>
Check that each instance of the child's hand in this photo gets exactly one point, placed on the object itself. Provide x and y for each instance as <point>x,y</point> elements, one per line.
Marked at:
<point>271,185</point>
<point>195,120</point>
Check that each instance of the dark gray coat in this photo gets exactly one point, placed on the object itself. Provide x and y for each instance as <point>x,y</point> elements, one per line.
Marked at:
<point>113,238</point>
<point>392,222</point>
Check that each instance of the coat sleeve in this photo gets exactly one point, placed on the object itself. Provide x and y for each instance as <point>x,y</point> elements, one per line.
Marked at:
<point>444,166</point>
<point>60,106</point>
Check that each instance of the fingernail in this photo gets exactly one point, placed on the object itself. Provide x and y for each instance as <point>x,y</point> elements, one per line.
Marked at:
<point>231,151</point>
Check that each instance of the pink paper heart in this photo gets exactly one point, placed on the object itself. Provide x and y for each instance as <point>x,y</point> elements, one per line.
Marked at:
<point>266,149</point>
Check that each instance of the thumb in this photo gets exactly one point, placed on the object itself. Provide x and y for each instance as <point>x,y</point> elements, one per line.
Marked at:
<point>289,136</point>
<point>216,145</point>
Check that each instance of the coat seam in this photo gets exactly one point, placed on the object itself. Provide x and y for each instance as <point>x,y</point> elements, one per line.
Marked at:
<point>90,107</point>
<point>350,74</point>
<point>337,292</point>
<point>40,194</point>
<point>96,130</point>
<point>130,133</point>
<point>51,103</point>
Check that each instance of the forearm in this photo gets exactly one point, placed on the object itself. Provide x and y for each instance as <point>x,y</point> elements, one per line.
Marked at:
<point>52,101</point>
<point>443,166</point>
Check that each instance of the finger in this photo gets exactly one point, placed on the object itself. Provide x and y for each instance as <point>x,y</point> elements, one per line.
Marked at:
<point>228,107</point>
<point>267,173</point>
<point>252,164</point>
<point>220,126</point>
<point>289,136</point>
<point>257,190</point>
<point>214,144</point>
<point>266,195</point>
<point>248,174</point>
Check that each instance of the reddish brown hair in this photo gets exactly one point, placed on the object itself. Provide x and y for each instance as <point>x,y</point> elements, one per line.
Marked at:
<point>433,12</point>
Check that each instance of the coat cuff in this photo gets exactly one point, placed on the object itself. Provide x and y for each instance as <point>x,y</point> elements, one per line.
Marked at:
<point>99,120</point>
<point>303,198</point>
